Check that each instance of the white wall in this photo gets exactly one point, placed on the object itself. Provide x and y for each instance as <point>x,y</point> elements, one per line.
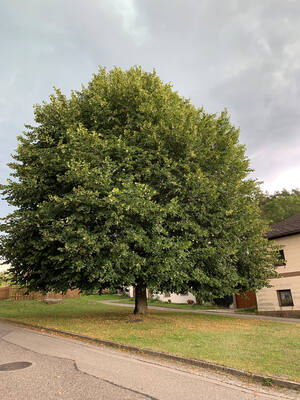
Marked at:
<point>175,298</point>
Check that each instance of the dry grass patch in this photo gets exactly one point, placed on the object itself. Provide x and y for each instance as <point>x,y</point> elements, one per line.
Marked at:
<point>193,322</point>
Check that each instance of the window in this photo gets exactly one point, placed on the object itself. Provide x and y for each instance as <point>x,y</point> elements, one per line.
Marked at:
<point>281,258</point>
<point>285,298</point>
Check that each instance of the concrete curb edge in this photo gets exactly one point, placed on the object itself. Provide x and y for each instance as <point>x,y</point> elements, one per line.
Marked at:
<point>265,380</point>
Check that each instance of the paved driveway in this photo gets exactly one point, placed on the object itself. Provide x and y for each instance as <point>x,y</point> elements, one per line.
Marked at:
<point>215,312</point>
<point>68,369</point>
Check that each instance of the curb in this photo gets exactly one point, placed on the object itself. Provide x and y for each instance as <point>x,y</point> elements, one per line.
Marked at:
<point>265,380</point>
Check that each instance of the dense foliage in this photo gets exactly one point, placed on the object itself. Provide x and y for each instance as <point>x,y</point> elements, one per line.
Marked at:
<point>280,205</point>
<point>127,183</point>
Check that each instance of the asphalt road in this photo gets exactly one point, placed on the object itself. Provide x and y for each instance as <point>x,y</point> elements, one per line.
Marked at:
<point>68,369</point>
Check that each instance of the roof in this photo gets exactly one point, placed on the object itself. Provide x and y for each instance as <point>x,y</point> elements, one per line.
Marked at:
<point>286,227</point>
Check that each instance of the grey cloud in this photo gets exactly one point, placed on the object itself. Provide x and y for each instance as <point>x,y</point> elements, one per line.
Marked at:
<point>243,56</point>
<point>235,54</point>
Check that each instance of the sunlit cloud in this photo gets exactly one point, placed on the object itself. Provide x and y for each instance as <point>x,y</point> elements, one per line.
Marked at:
<point>288,179</point>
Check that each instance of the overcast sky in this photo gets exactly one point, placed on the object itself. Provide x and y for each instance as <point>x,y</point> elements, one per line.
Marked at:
<point>239,54</point>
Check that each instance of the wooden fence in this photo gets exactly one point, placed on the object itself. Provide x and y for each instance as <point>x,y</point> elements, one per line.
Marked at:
<point>15,293</point>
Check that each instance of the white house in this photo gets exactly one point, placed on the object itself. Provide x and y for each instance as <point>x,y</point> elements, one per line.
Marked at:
<point>167,297</point>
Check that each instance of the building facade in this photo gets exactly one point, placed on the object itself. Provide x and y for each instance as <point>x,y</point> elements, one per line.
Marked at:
<point>283,298</point>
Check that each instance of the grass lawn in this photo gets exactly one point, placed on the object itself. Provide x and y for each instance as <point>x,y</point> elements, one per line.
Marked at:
<point>269,348</point>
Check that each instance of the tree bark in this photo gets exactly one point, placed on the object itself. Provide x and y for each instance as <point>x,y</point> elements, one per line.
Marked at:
<point>140,300</point>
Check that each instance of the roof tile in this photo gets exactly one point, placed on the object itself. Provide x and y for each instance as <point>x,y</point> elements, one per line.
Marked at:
<point>286,227</point>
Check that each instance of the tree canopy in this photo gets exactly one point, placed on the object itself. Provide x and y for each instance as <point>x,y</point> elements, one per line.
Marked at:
<point>280,205</point>
<point>127,183</point>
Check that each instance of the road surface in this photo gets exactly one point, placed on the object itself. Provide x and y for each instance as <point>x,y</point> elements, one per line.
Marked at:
<point>68,369</point>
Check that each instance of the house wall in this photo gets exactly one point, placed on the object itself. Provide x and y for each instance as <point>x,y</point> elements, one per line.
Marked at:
<point>267,298</point>
<point>175,298</point>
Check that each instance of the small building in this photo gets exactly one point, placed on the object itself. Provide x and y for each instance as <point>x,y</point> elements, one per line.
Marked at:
<point>167,297</point>
<point>283,298</point>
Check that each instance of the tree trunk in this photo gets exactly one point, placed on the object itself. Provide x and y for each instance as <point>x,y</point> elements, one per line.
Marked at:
<point>140,300</point>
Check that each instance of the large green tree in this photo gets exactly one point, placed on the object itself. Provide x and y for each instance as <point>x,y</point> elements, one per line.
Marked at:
<point>127,183</point>
<point>280,205</point>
